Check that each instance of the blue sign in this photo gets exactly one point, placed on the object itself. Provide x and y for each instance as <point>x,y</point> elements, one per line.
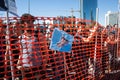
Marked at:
<point>61,41</point>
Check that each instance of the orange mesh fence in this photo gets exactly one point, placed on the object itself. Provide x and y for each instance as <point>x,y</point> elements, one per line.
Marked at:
<point>25,52</point>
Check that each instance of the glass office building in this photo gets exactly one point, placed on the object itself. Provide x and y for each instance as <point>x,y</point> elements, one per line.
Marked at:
<point>88,9</point>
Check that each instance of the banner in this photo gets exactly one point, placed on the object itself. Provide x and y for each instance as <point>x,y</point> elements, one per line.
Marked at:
<point>61,41</point>
<point>12,7</point>
<point>3,5</point>
<point>9,5</point>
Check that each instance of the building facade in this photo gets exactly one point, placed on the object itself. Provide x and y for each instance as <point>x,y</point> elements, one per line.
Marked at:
<point>111,18</point>
<point>88,9</point>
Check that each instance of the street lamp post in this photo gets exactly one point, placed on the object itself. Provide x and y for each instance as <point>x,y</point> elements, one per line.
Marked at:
<point>29,6</point>
<point>80,7</point>
<point>119,13</point>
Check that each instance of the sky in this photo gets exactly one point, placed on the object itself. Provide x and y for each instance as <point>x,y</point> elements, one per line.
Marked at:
<point>53,8</point>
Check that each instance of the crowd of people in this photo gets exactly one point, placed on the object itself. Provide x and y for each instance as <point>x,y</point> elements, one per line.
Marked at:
<point>94,50</point>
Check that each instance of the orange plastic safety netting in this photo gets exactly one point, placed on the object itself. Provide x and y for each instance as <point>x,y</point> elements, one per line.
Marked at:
<point>25,50</point>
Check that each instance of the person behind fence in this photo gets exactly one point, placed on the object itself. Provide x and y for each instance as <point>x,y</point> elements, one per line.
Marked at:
<point>103,47</point>
<point>87,38</point>
<point>112,48</point>
<point>14,49</point>
<point>30,59</point>
<point>81,48</point>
